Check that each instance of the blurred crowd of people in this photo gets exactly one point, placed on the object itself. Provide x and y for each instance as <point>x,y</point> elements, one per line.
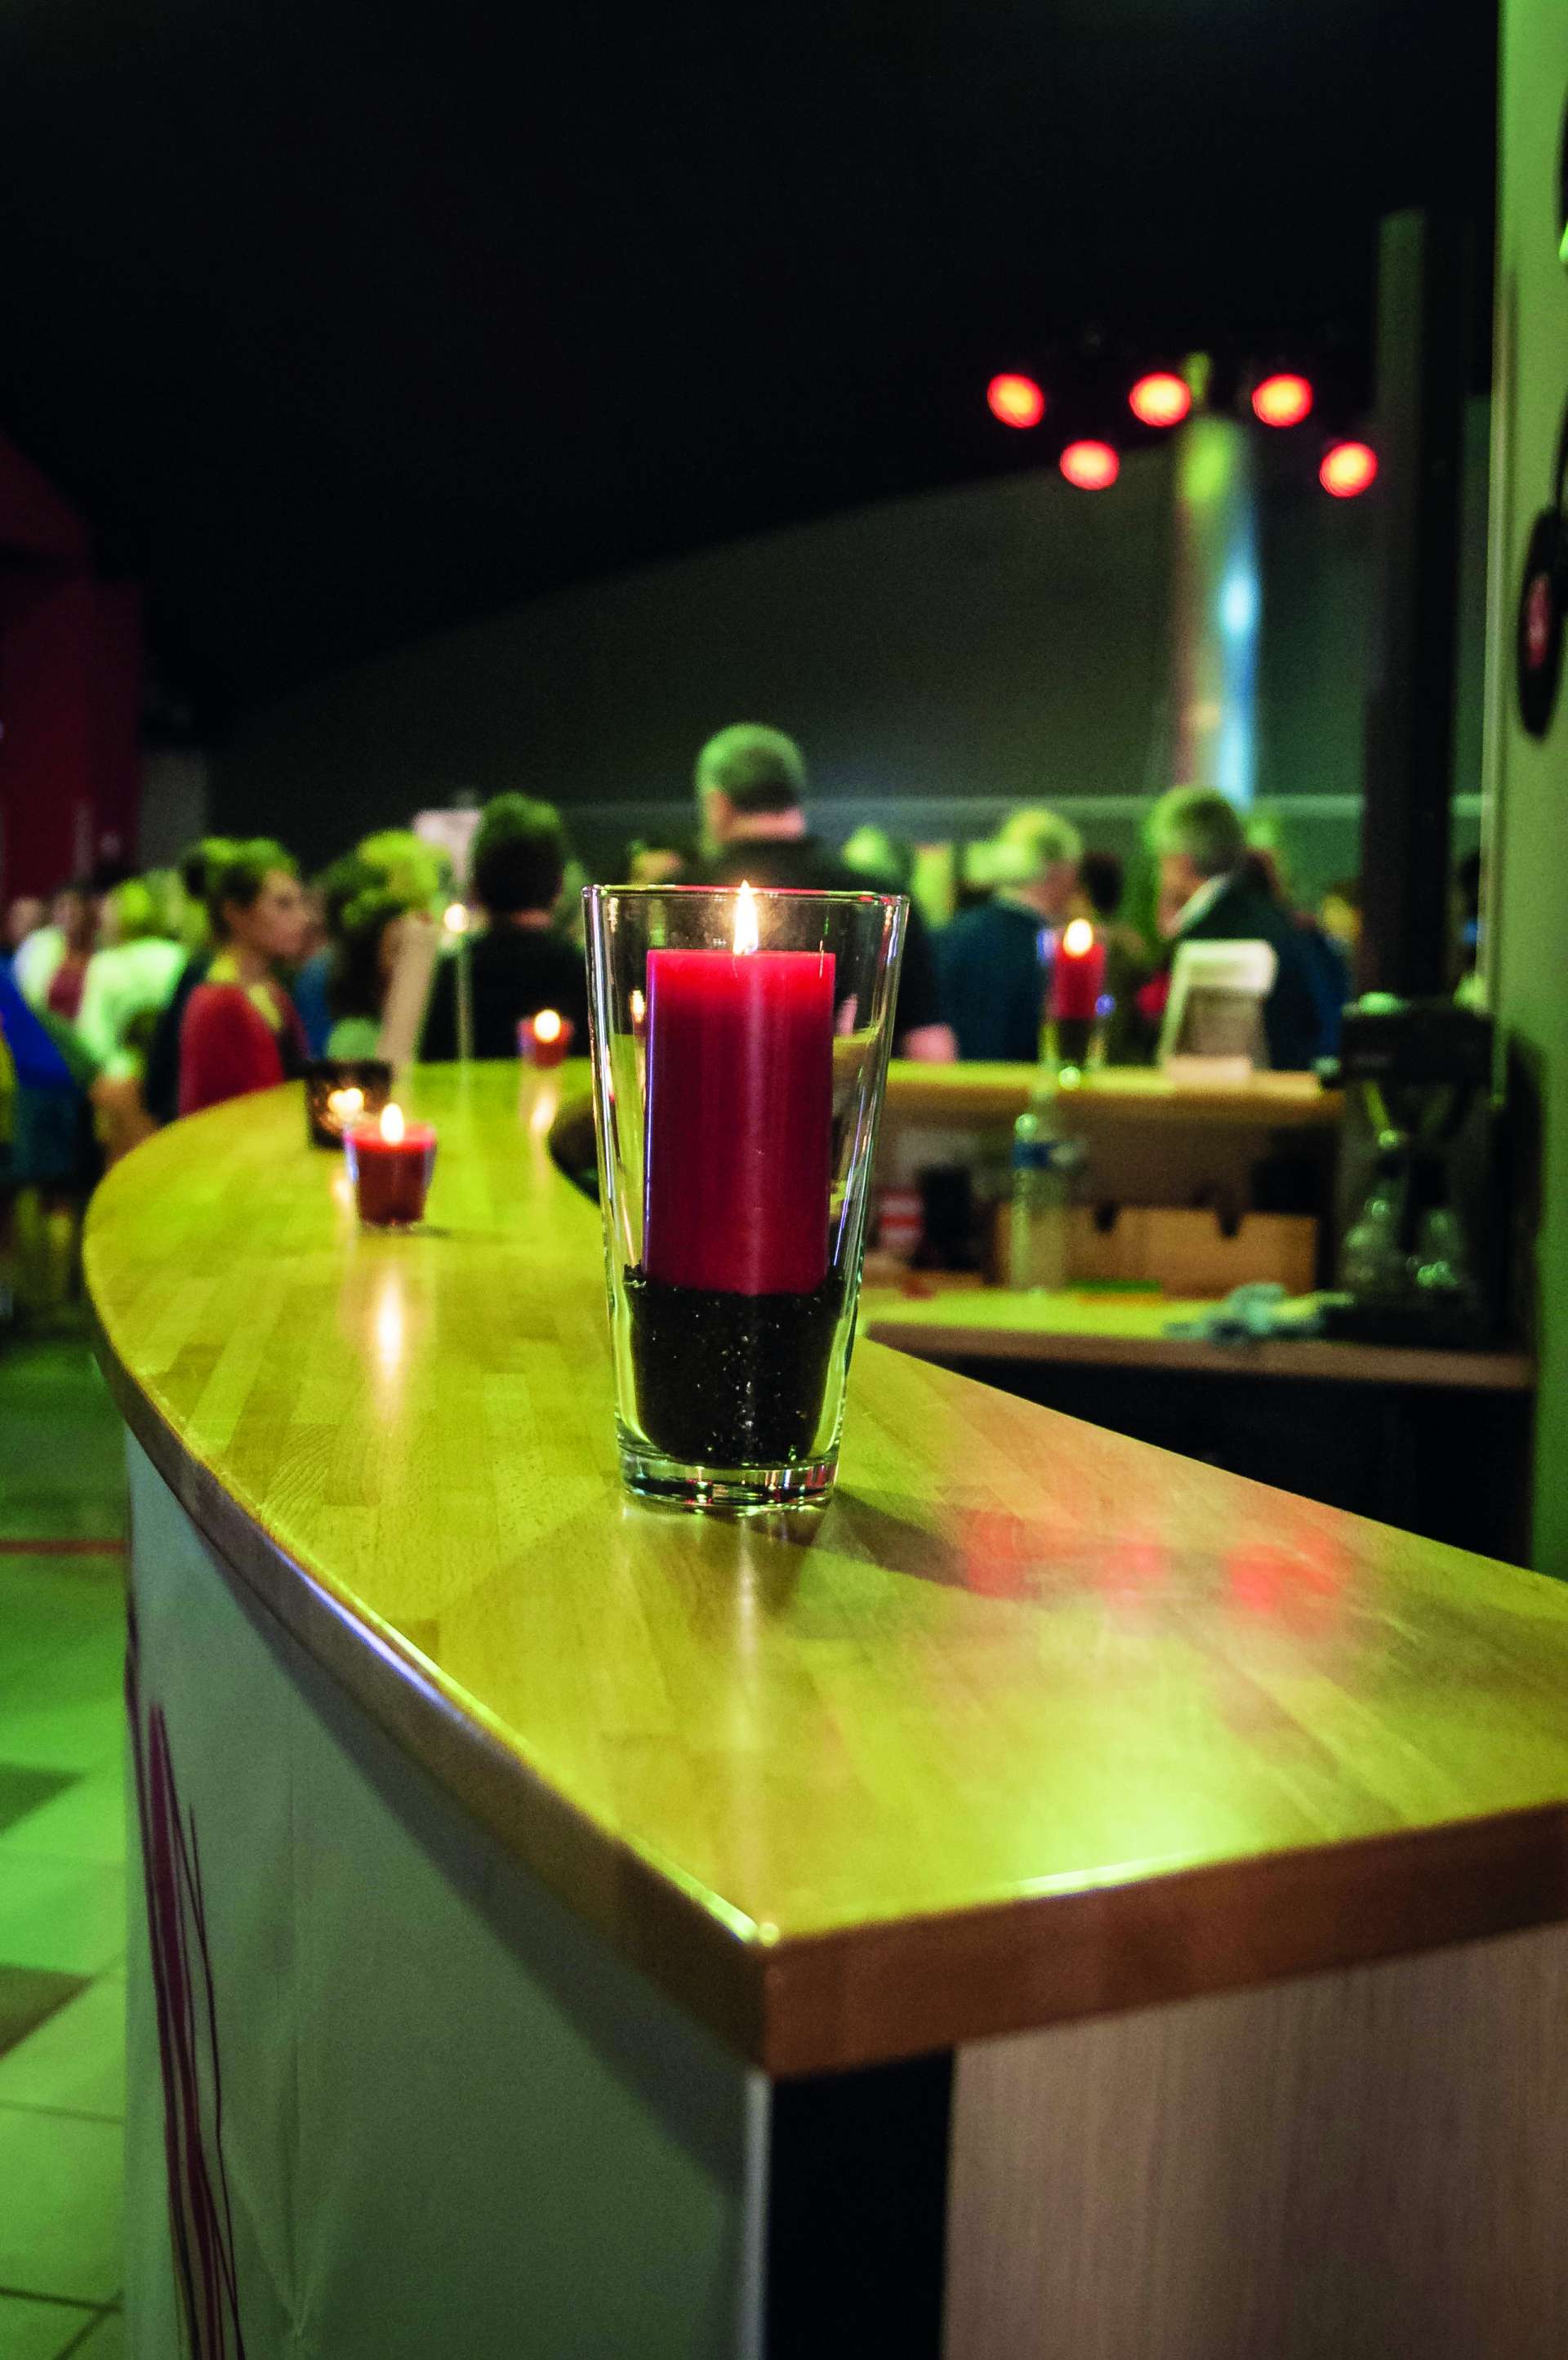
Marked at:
<point>131,1001</point>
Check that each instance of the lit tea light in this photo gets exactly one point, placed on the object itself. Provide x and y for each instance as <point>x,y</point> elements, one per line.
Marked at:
<point>544,1039</point>
<point>344,1106</point>
<point>341,1093</point>
<point>390,1162</point>
<point>455,917</point>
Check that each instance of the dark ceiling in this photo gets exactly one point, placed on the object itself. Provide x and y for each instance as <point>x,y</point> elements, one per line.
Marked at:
<point>345,321</point>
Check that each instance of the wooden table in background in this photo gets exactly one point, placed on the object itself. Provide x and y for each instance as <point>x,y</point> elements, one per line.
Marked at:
<point>1395,1432</point>
<point>1061,1899</point>
<point>1127,1095</point>
<point>956,1321</point>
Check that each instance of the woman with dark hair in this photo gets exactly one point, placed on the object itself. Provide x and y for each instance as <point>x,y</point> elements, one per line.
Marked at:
<point>241,1031</point>
<point>522,962</point>
<point>369,932</point>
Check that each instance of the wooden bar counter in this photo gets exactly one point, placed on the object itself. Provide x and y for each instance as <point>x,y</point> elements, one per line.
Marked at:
<point>1061,1900</point>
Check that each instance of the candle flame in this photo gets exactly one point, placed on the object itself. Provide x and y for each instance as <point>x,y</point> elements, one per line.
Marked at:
<point>1079,939</point>
<point>547,1025</point>
<point>393,1124</point>
<point>345,1104</point>
<point>454,918</point>
<point>745,920</point>
<point>639,1007</point>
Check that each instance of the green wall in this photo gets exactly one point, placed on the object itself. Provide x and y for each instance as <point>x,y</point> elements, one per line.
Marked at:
<point>1529,777</point>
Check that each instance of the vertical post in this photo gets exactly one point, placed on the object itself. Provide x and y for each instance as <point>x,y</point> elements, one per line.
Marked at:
<point>1424,343</point>
<point>1215,608</point>
<point>466,998</point>
<point>456,921</point>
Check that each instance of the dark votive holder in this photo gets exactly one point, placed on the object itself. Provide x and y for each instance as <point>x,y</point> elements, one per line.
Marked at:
<point>332,1109</point>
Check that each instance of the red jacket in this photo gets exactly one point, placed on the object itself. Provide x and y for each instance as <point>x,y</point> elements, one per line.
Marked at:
<point>228,1047</point>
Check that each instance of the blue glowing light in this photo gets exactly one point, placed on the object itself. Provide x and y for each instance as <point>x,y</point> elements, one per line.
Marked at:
<point>1238,603</point>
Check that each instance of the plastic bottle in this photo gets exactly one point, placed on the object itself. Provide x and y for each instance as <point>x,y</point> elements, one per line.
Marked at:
<point>1043,1164</point>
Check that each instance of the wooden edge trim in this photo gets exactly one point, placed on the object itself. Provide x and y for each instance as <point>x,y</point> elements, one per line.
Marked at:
<point>712,1972</point>
<point>922,1094</point>
<point>839,1999</point>
<point>955,1347</point>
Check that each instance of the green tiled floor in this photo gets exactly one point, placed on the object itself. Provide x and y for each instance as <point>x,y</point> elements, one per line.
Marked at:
<point>61,1859</point>
<point>31,2330</point>
<point>60,1444</point>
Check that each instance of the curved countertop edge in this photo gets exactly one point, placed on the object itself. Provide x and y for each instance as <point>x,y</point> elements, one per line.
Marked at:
<point>671,1935</point>
<point>873,1992</point>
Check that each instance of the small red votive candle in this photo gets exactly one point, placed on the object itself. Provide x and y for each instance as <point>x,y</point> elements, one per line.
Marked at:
<point>1078,975</point>
<point>389,1164</point>
<point>544,1039</point>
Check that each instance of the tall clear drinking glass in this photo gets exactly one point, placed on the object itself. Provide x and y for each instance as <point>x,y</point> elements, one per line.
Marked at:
<point>740,1048</point>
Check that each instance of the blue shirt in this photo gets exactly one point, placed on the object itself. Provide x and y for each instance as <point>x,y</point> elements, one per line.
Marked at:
<point>310,999</point>
<point>993,965</point>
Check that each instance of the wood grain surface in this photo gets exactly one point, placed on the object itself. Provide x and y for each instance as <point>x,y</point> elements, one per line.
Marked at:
<point>974,1323</point>
<point>1034,1722</point>
<point>1368,2166</point>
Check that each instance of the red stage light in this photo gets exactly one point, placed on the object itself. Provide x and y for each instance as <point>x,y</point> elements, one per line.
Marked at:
<point>1091,466</point>
<point>1283,400</point>
<point>1348,469</point>
<point>1161,399</point>
<point>1017,401</point>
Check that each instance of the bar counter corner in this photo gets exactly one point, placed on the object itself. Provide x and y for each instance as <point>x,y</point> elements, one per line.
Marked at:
<point>1062,1899</point>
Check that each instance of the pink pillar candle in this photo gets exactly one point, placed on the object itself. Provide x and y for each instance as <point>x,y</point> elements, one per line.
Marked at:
<point>739,1120</point>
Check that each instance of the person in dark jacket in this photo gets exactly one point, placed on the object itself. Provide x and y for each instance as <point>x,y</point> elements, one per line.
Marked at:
<point>1207,894</point>
<point>1329,968</point>
<point>750,790</point>
<point>996,958</point>
<point>521,963</point>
